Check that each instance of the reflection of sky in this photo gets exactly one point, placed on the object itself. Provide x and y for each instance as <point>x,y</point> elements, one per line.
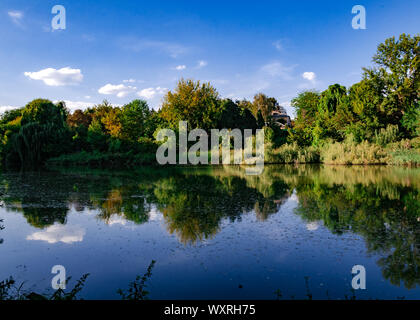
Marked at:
<point>116,219</point>
<point>261,255</point>
<point>59,233</point>
<point>312,226</point>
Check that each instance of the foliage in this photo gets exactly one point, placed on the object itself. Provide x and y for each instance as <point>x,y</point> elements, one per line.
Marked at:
<point>306,106</point>
<point>10,291</point>
<point>234,116</point>
<point>41,132</point>
<point>411,120</point>
<point>385,136</point>
<point>264,106</point>
<point>137,289</point>
<point>396,72</point>
<point>195,102</point>
<point>381,108</point>
<point>96,137</point>
<point>349,152</point>
<point>410,157</point>
<point>292,153</point>
<point>1,228</point>
<point>135,121</point>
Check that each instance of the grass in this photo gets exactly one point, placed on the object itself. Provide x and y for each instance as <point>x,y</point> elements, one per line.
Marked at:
<point>352,153</point>
<point>292,153</point>
<point>410,157</point>
<point>404,152</point>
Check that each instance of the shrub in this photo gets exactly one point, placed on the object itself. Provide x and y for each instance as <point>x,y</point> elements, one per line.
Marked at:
<point>385,136</point>
<point>351,153</point>
<point>405,157</point>
<point>291,153</point>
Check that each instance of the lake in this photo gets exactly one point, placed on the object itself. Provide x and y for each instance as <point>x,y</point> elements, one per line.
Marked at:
<point>215,232</point>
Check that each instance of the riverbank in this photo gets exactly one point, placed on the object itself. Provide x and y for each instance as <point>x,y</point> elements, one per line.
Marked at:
<point>405,152</point>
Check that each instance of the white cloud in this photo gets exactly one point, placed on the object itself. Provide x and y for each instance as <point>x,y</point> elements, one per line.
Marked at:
<point>149,93</point>
<point>6,108</point>
<point>120,90</point>
<point>277,69</point>
<point>181,67</point>
<point>311,76</point>
<point>53,77</point>
<point>129,81</point>
<point>74,105</point>
<point>16,16</point>
<point>59,233</point>
<point>201,64</point>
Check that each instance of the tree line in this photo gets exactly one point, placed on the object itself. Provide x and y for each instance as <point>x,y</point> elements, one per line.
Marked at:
<point>43,129</point>
<point>387,98</point>
<point>382,108</point>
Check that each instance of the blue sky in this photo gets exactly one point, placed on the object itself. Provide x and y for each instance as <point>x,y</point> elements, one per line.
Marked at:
<point>122,50</point>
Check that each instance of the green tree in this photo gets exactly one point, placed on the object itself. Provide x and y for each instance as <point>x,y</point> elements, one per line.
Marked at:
<point>233,116</point>
<point>326,126</point>
<point>192,101</point>
<point>135,119</point>
<point>397,74</point>
<point>43,132</point>
<point>96,137</point>
<point>306,106</point>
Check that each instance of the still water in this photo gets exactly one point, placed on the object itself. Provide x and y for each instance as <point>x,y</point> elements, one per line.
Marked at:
<point>215,232</point>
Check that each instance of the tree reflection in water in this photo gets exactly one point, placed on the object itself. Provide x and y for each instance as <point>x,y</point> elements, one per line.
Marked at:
<point>382,204</point>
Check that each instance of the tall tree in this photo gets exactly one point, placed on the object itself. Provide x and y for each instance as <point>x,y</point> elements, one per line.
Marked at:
<point>265,105</point>
<point>43,132</point>
<point>135,120</point>
<point>396,73</point>
<point>192,101</point>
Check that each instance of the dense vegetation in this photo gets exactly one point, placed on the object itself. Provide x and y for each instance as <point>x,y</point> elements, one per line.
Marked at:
<point>375,121</point>
<point>368,119</point>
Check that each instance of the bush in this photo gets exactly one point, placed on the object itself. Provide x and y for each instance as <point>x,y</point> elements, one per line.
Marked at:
<point>409,157</point>
<point>291,153</point>
<point>351,153</point>
<point>385,136</point>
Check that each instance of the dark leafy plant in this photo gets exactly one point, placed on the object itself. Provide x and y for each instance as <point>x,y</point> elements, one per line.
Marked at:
<point>72,295</point>
<point>6,286</point>
<point>1,228</point>
<point>10,291</point>
<point>136,290</point>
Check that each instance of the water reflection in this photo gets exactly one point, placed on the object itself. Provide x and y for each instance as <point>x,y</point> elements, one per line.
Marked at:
<point>59,233</point>
<point>381,204</point>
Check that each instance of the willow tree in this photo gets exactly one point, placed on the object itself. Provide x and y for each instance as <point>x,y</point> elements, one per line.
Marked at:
<point>43,132</point>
